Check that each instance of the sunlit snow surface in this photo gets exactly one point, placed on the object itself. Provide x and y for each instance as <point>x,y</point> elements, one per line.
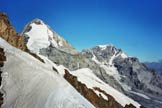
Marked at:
<point>28,83</point>
<point>87,77</point>
<point>40,36</point>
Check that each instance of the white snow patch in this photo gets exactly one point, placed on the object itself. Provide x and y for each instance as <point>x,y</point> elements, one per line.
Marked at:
<point>123,55</point>
<point>94,58</point>
<point>111,59</point>
<point>100,93</point>
<point>60,43</point>
<point>51,39</point>
<point>112,71</point>
<point>29,83</point>
<point>40,37</point>
<point>103,47</point>
<point>87,77</point>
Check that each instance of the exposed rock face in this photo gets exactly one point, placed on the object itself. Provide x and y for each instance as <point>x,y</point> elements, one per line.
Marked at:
<point>8,33</point>
<point>72,62</point>
<point>104,54</point>
<point>77,61</point>
<point>132,73</point>
<point>97,101</point>
<point>138,76</point>
<point>2,59</point>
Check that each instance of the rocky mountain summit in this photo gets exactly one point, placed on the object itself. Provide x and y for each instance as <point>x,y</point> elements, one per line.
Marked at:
<point>135,74</point>
<point>53,74</point>
<point>132,75</point>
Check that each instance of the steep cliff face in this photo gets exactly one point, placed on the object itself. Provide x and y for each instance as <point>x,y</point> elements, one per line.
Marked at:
<point>2,59</point>
<point>127,70</point>
<point>8,33</point>
<point>136,79</point>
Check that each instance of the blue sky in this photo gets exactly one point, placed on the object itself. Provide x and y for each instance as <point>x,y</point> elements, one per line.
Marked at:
<point>135,26</point>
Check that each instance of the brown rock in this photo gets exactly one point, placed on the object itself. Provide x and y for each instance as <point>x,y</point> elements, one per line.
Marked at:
<point>8,33</point>
<point>89,94</point>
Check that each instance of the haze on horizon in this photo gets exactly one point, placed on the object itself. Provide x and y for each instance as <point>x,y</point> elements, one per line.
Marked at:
<point>135,26</point>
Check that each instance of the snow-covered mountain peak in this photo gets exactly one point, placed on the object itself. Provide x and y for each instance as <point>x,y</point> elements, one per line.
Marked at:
<point>104,54</point>
<point>111,48</point>
<point>39,35</point>
<point>37,21</point>
<point>105,46</point>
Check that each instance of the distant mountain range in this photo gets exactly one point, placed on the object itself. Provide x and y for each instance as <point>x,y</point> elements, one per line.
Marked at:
<point>40,69</point>
<point>157,66</point>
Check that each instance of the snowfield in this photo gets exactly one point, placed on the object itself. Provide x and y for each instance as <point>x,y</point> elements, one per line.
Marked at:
<point>28,83</point>
<point>87,77</point>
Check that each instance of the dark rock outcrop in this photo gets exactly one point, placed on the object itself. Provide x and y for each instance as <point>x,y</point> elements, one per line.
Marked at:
<point>2,59</point>
<point>8,33</point>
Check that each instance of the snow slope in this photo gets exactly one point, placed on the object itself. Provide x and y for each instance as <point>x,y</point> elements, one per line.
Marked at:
<point>28,83</point>
<point>87,77</point>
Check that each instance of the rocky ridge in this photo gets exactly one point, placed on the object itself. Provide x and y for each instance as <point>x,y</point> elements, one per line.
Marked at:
<point>129,72</point>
